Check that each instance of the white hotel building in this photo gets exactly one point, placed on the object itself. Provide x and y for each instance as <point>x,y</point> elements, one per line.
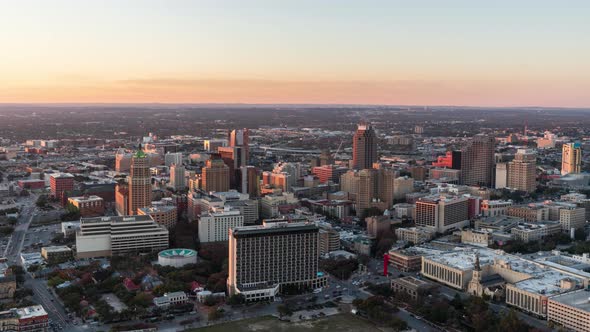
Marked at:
<point>214,225</point>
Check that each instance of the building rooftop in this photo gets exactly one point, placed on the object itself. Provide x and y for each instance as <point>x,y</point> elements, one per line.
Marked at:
<point>274,228</point>
<point>413,282</point>
<point>526,226</point>
<point>157,208</point>
<point>547,283</point>
<point>86,198</point>
<point>31,312</point>
<point>61,175</point>
<point>115,219</point>
<point>579,299</point>
<point>57,248</point>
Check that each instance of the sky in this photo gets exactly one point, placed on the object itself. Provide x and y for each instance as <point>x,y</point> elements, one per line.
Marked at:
<point>418,52</point>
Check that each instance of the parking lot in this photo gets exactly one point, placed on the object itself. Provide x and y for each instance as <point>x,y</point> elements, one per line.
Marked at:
<point>37,237</point>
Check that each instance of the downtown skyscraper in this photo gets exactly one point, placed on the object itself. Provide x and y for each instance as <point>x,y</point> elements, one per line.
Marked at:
<point>364,147</point>
<point>477,161</point>
<point>571,158</point>
<point>140,182</point>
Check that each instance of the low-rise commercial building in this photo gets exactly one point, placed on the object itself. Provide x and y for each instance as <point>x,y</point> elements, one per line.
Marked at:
<point>574,218</point>
<point>493,208</point>
<point>89,206</point>
<point>530,213</point>
<point>329,239</point>
<point>570,310</point>
<point>527,232</point>
<point>31,319</point>
<point>413,287</point>
<point>170,299</point>
<point>475,237</point>
<point>57,254</point>
<point>415,235</point>
<point>109,236</point>
<point>165,215</point>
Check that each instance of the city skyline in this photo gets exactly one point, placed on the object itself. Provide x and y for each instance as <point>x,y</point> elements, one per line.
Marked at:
<point>377,52</point>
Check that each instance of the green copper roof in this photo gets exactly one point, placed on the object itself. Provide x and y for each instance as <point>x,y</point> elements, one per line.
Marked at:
<point>178,252</point>
<point>139,153</point>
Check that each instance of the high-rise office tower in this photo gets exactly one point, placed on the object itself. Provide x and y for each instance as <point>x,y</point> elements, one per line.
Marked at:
<point>171,158</point>
<point>364,147</point>
<point>501,175</point>
<point>215,175</point>
<point>177,177</point>
<point>140,182</point>
<point>477,161</point>
<point>522,171</point>
<point>571,158</point>
<point>234,157</point>
<point>366,190</point>
<point>241,138</point>
<point>263,259</point>
<point>250,181</point>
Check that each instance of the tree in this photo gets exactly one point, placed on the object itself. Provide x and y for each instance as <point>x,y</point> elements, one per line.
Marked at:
<point>236,299</point>
<point>580,234</point>
<point>283,310</point>
<point>511,322</point>
<point>41,201</point>
<point>72,213</point>
<point>215,315</point>
<point>142,300</point>
<point>397,324</point>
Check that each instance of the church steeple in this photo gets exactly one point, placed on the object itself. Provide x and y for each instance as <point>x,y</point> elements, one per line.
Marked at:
<point>477,266</point>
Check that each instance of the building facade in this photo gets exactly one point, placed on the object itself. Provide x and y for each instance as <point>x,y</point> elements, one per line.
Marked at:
<point>165,215</point>
<point>214,226</point>
<point>215,175</point>
<point>477,161</point>
<point>110,236</point>
<point>263,259</point>
<point>571,158</point>
<point>364,147</point>
<point>522,171</point>
<point>140,183</point>
<point>89,206</point>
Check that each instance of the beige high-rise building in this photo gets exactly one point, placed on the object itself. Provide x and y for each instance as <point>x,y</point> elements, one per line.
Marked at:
<point>522,171</point>
<point>370,187</point>
<point>140,183</point>
<point>401,186</point>
<point>442,213</point>
<point>263,259</point>
<point>571,158</point>
<point>364,147</point>
<point>177,177</point>
<point>477,161</point>
<point>215,176</point>
<point>349,182</point>
<point>385,185</point>
<point>366,190</point>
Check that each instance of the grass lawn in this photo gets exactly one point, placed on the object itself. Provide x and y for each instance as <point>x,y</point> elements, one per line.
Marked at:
<point>339,322</point>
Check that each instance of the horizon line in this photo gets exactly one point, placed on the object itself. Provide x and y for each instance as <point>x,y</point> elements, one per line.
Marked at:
<point>277,105</point>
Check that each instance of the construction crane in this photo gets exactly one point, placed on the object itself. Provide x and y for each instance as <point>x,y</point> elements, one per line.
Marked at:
<point>338,150</point>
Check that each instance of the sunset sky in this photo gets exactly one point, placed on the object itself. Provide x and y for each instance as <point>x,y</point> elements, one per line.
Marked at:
<point>411,52</point>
